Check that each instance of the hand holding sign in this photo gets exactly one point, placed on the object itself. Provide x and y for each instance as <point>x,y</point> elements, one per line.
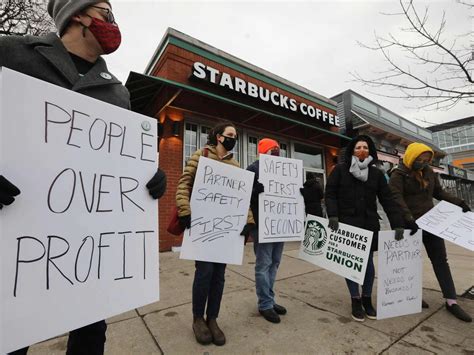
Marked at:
<point>281,205</point>
<point>449,222</point>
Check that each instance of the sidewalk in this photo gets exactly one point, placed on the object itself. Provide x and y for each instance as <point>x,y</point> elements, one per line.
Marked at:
<point>318,319</point>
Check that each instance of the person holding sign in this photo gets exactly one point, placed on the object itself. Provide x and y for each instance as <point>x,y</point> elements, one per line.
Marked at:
<point>351,196</point>
<point>208,285</point>
<point>313,194</point>
<point>414,185</point>
<point>268,255</point>
<point>72,59</point>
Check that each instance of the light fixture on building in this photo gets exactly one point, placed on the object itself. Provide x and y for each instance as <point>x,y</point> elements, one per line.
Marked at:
<point>175,128</point>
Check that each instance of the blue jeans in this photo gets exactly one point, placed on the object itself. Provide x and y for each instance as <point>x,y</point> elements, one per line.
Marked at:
<point>208,287</point>
<point>268,257</point>
<point>368,280</point>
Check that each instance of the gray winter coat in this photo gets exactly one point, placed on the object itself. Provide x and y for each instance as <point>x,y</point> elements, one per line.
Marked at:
<point>47,59</point>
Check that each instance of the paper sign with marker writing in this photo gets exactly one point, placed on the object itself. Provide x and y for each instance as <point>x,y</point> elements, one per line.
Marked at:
<point>344,251</point>
<point>219,208</point>
<point>399,279</point>
<point>449,222</point>
<point>79,244</point>
<point>281,206</point>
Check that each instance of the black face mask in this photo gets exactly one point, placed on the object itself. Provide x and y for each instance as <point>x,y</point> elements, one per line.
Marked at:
<point>229,143</point>
<point>419,166</point>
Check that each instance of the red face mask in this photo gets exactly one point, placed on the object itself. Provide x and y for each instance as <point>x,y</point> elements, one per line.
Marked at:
<point>361,154</point>
<point>107,34</point>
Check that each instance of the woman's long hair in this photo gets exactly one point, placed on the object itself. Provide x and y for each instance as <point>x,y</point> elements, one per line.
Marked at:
<point>218,129</point>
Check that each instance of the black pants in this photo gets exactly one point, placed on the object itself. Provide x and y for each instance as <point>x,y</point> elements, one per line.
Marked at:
<point>436,251</point>
<point>208,286</point>
<point>88,340</point>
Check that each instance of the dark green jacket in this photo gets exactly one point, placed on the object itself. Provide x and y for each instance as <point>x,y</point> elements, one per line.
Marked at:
<point>412,199</point>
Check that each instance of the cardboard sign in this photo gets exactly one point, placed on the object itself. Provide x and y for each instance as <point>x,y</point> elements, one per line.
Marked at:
<point>219,208</point>
<point>79,244</point>
<point>449,222</point>
<point>344,252</point>
<point>399,281</point>
<point>281,206</point>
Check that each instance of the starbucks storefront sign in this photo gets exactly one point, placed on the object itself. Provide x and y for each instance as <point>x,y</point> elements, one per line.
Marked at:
<point>344,252</point>
<point>225,80</point>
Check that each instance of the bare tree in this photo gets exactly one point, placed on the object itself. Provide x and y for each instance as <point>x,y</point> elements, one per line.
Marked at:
<point>439,70</point>
<point>21,17</point>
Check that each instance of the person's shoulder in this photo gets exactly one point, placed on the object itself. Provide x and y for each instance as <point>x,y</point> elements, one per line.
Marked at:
<point>13,40</point>
<point>253,166</point>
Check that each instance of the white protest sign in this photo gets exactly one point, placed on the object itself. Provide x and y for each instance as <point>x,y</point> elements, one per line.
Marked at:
<point>281,206</point>
<point>399,280</point>
<point>344,252</point>
<point>219,208</point>
<point>449,222</point>
<point>79,244</point>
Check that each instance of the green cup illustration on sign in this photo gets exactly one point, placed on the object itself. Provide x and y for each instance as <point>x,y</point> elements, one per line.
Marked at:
<point>315,238</point>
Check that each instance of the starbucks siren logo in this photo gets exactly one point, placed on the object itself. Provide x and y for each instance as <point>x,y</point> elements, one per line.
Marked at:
<point>315,237</point>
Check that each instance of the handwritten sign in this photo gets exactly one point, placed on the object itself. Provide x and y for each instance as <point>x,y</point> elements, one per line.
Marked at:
<point>344,252</point>
<point>80,242</point>
<point>449,222</point>
<point>219,208</point>
<point>399,282</point>
<point>281,205</point>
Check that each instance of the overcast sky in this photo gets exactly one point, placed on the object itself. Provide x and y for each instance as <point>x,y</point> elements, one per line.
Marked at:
<point>311,43</point>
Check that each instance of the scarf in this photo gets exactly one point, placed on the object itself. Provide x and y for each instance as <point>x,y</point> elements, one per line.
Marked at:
<point>360,169</point>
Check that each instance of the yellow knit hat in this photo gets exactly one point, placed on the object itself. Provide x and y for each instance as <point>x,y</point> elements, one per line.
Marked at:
<point>413,151</point>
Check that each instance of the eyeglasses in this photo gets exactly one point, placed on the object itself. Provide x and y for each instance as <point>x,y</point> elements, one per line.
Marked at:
<point>108,13</point>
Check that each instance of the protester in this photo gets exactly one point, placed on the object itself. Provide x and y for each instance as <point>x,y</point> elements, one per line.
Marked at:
<point>73,60</point>
<point>351,192</point>
<point>414,184</point>
<point>313,194</point>
<point>209,280</point>
<point>268,255</point>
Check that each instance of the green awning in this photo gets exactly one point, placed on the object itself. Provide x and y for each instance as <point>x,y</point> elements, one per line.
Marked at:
<point>144,89</point>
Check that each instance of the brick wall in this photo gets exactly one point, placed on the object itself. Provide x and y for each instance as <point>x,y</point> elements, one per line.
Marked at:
<point>171,161</point>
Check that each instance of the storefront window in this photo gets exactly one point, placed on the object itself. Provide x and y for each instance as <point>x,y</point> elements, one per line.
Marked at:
<point>252,149</point>
<point>204,133</point>
<point>190,140</point>
<point>312,157</point>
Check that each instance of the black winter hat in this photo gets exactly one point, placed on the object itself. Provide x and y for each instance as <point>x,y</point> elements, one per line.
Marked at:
<point>350,148</point>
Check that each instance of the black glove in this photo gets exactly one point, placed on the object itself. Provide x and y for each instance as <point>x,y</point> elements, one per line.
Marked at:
<point>399,233</point>
<point>185,221</point>
<point>465,207</point>
<point>412,226</point>
<point>249,229</point>
<point>157,185</point>
<point>259,188</point>
<point>303,192</point>
<point>333,223</point>
<point>7,192</point>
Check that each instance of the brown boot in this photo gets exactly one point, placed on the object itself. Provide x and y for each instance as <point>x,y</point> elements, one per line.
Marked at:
<point>218,336</point>
<point>201,331</point>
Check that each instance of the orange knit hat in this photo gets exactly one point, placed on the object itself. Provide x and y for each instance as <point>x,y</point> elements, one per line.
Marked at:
<point>266,144</point>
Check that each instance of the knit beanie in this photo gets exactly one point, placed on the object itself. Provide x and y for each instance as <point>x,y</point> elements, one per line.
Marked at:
<point>413,151</point>
<point>266,144</point>
<point>61,11</point>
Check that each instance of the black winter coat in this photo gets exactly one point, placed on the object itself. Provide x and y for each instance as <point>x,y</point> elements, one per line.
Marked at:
<point>47,59</point>
<point>355,202</point>
<point>313,194</point>
<point>254,167</point>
